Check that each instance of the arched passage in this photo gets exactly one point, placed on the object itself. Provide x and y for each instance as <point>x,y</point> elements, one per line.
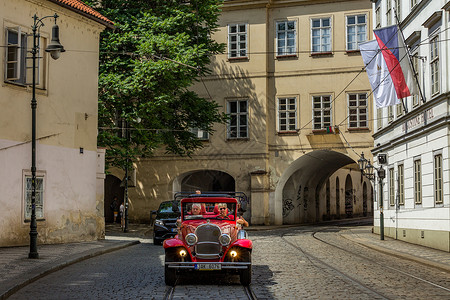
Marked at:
<point>349,196</point>
<point>112,188</point>
<point>205,180</point>
<point>307,174</point>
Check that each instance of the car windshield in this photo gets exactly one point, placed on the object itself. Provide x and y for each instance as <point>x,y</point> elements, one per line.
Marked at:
<point>208,210</point>
<point>166,207</point>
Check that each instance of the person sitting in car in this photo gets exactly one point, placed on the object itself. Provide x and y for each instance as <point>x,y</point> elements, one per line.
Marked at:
<point>196,209</point>
<point>223,212</point>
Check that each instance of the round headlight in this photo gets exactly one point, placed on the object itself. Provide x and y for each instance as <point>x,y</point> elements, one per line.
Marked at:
<point>191,239</point>
<point>182,253</point>
<point>159,222</point>
<point>225,239</point>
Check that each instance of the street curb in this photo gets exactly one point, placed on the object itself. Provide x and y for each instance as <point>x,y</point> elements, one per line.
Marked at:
<point>67,263</point>
<point>406,256</point>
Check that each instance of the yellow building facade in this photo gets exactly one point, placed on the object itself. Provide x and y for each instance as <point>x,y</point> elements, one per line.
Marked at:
<point>69,167</point>
<point>292,81</point>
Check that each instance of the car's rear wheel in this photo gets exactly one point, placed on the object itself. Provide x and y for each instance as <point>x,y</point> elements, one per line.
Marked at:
<point>245,275</point>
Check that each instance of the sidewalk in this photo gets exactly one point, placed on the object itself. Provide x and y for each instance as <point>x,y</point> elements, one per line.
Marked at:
<point>18,270</point>
<point>428,256</point>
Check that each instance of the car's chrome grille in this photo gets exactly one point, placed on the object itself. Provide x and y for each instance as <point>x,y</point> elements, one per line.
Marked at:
<point>208,245</point>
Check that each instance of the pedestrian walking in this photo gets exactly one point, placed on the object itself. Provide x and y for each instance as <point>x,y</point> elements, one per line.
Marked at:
<point>122,215</point>
<point>115,208</point>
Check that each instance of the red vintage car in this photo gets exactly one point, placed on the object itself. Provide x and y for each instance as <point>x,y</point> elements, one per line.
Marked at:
<point>209,238</point>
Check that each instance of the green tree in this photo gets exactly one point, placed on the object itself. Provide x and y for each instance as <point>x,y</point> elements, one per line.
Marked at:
<point>158,50</point>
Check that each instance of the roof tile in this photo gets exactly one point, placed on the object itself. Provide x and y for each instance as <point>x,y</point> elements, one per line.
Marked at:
<point>78,5</point>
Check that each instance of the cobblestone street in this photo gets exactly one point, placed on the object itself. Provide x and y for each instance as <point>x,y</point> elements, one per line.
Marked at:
<point>289,263</point>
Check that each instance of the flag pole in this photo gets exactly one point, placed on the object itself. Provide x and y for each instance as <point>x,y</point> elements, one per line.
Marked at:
<point>409,59</point>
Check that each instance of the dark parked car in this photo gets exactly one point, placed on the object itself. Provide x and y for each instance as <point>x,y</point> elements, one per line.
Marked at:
<point>165,223</point>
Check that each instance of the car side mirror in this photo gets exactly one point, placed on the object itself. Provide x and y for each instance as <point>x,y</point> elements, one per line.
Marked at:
<point>175,206</point>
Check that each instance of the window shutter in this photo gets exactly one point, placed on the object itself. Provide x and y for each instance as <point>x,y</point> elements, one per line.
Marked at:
<point>12,65</point>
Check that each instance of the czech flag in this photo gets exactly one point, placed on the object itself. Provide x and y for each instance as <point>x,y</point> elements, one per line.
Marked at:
<point>388,66</point>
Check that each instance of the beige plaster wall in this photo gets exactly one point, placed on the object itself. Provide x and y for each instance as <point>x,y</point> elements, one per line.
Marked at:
<point>66,122</point>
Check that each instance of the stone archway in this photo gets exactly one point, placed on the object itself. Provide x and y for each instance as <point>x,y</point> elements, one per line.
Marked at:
<point>349,197</point>
<point>338,199</point>
<point>112,188</point>
<point>206,181</point>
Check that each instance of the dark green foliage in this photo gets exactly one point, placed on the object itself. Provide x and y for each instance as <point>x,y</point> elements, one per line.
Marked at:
<point>136,82</point>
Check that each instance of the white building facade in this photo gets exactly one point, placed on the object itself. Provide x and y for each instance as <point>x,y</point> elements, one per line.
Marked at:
<point>416,189</point>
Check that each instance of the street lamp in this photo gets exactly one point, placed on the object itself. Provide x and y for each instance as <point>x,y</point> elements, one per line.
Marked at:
<point>367,169</point>
<point>55,48</point>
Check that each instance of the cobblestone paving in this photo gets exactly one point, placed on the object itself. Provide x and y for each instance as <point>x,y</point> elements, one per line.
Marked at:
<point>287,264</point>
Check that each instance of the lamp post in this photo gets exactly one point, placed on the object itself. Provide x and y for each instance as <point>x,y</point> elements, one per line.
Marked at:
<point>367,169</point>
<point>55,49</point>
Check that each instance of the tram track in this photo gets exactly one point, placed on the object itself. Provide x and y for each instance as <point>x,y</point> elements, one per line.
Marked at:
<point>367,287</point>
<point>377,263</point>
<point>329,267</point>
<point>247,292</point>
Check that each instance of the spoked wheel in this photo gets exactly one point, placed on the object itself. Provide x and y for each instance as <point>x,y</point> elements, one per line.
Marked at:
<point>245,275</point>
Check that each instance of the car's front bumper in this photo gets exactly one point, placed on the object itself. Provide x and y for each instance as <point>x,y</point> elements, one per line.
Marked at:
<point>224,265</point>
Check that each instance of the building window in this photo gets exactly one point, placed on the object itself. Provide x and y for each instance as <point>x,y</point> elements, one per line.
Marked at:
<point>238,123</point>
<point>399,109</point>
<point>357,110</point>
<point>321,35</point>
<point>388,12</point>
<point>286,38</point>
<point>434,64</point>
<point>287,114</point>
<point>379,117</point>
<point>200,134</point>
<point>417,182</point>
<point>322,111</point>
<point>401,185</point>
<point>413,3</point>
<point>18,59</point>
<point>390,113</point>
<point>391,187</point>
<point>39,199</point>
<point>356,31</point>
<point>237,40</point>
<point>16,53</point>
<point>377,17</point>
<point>438,194</point>
<point>415,62</point>
<point>398,9</point>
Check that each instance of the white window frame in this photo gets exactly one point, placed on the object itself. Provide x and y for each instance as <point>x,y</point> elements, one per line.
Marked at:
<point>438,179</point>
<point>356,27</point>
<point>401,184</point>
<point>357,110</point>
<point>378,17</point>
<point>235,129</point>
<point>287,114</point>
<point>239,39</point>
<point>287,32</point>
<point>390,114</point>
<point>40,195</point>
<point>434,64</point>
<point>379,117</point>
<point>322,111</point>
<point>200,134</point>
<point>391,187</point>
<point>413,3</point>
<point>388,12</point>
<point>22,61</point>
<point>415,62</point>
<point>398,9</point>
<point>399,109</point>
<point>321,29</point>
<point>417,182</point>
